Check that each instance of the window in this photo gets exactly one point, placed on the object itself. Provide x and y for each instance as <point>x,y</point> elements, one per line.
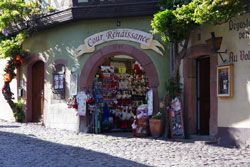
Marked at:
<point>59,82</point>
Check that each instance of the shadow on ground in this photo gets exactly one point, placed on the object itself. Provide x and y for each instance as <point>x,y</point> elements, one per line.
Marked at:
<point>9,126</point>
<point>23,150</point>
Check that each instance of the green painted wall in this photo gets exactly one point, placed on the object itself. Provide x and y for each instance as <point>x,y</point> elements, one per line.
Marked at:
<point>60,42</point>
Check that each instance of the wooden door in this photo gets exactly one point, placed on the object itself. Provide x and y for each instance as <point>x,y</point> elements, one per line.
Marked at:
<point>204,95</point>
<point>37,91</point>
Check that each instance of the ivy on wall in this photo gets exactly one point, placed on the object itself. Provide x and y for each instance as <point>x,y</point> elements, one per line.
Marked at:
<point>17,22</point>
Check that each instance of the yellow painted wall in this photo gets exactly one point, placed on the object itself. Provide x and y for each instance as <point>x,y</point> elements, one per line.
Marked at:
<point>234,111</point>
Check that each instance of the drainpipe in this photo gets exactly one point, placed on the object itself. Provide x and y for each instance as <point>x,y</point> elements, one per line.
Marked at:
<point>171,59</point>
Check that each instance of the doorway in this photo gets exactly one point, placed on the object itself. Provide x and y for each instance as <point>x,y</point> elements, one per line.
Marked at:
<point>37,91</point>
<point>203,96</point>
<point>91,68</point>
<point>119,88</point>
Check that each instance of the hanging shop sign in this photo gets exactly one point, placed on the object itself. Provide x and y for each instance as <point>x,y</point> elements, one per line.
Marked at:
<point>143,38</point>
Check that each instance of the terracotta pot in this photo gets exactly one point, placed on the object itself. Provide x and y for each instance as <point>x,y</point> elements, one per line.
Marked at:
<point>156,127</point>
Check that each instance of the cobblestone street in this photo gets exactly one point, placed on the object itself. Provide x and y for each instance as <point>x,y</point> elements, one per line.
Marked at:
<point>34,145</point>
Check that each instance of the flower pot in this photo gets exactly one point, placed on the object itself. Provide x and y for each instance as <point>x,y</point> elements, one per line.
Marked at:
<point>156,127</point>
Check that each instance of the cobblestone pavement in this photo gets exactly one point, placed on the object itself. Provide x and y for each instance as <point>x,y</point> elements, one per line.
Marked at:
<point>34,145</point>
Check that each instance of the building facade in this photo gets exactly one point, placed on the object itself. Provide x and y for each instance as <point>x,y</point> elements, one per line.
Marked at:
<point>218,80</point>
<point>70,47</point>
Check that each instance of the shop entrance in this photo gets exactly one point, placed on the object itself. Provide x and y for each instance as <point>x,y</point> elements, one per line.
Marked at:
<point>98,59</point>
<point>119,88</point>
<point>203,96</point>
<point>37,91</point>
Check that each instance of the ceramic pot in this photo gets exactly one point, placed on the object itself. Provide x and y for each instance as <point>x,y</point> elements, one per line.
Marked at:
<point>156,127</point>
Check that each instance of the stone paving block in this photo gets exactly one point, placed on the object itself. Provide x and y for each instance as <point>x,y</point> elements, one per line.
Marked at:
<point>34,145</point>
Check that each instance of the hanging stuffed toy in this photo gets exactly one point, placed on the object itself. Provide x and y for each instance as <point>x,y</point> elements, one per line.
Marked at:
<point>72,103</point>
<point>134,126</point>
<point>138,68</point>
<point>109,69</point>
<point>90,98</point>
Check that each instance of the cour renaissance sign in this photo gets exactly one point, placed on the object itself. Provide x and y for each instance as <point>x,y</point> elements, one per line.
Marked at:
<point>143,38</point>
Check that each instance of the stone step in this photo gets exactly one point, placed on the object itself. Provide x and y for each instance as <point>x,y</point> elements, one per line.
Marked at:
<point>203,139</point>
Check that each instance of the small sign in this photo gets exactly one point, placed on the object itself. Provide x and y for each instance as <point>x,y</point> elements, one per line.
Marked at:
<point>21,83</point>
<point>81,103</point>
<point>122,70</point>
<point>225,81</point>
<point>176,118</point>
<point>150,101</point>
<point>73,84</point>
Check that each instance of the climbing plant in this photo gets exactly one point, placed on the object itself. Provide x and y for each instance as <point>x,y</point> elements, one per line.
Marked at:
<point>178,18</point>
<point>17,21</point>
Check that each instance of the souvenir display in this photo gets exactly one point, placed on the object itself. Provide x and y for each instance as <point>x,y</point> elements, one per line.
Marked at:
<point>117,93</point>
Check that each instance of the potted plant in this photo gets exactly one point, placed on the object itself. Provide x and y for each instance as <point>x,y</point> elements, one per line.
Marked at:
<point>156,125</point>
<point>18,111</point>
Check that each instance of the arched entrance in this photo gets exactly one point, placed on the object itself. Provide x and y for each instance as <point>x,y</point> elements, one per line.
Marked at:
<point>200,59</point>
<point>91,66</point>
<point>34,72</point>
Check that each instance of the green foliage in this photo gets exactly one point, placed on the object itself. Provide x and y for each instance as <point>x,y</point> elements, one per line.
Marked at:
<point>18,111</point>
<point>17,21</point>
<point>157,116</point>
<point>172,4</point>
<point>217,11</point>
<point>178,19</point>
<point>173,87</point>
<point>10,47</point>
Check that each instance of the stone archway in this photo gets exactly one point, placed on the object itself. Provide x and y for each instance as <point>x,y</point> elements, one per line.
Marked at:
<point>29,62</point>
<point>91,66</point>
<point>190,88</point>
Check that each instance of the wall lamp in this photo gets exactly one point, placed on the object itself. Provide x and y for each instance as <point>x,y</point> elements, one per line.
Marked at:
<point>118,23</point>
<point>214,43</point>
